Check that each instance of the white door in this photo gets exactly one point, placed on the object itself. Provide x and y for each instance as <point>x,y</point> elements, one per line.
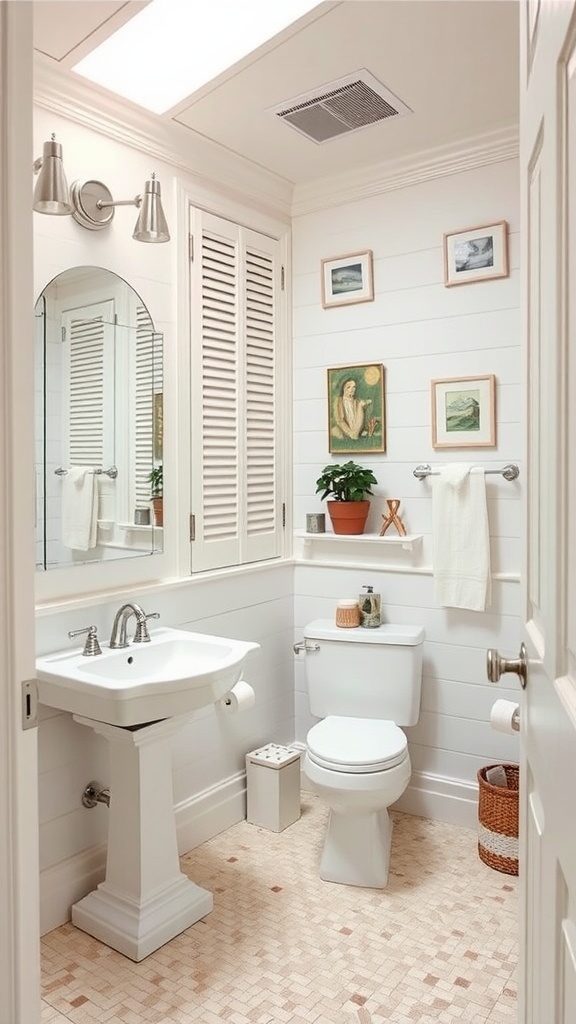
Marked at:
<point>547,978</point>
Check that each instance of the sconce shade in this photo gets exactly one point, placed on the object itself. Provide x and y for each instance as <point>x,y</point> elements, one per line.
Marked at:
<point>51,193</point>
<point>151,225</point>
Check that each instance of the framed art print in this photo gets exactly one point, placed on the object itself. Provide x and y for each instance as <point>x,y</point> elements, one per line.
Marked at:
<point>356,409</point>
<point>476,254</point>
<point>464,412</point>
<point>347,279</point>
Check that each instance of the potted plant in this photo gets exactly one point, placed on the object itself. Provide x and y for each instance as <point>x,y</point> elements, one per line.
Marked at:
<point>156,481</point>
<point>348,483</point>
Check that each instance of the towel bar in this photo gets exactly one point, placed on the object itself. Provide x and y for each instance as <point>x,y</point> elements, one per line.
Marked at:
<point>509,472</point>
<point>112,472</point>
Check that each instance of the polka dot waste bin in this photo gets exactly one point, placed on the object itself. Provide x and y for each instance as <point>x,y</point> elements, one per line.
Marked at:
<point>273,787</point>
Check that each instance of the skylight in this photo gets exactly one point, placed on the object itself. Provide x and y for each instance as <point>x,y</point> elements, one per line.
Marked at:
<point>173,47</point>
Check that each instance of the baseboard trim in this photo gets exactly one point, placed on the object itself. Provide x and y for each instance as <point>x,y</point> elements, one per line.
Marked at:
<point>67,882</point>
<point>215,809</point>
<point>210,812</point>
<point>197,820</point>
<point>442,799</point>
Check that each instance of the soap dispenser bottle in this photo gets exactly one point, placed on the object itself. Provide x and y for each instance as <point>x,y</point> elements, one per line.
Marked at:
<point>369,604</point>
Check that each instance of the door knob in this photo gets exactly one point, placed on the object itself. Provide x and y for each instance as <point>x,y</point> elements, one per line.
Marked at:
<point>497,666</point>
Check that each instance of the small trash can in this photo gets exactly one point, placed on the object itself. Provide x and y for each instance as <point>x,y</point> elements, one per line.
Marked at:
<point>498,817</point>
<point>273,786</point>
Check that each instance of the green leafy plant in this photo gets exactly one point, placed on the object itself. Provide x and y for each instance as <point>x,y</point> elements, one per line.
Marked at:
<point>156,481</point>
<point>345,482</point>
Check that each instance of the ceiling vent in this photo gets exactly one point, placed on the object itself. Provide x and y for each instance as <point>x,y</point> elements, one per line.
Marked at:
<point>341,107</point>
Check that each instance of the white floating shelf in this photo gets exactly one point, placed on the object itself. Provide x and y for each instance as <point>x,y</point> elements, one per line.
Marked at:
<point>140,527</point>
<point>408,543</point>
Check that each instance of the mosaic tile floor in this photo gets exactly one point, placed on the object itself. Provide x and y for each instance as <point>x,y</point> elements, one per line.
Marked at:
<point>283,947</point>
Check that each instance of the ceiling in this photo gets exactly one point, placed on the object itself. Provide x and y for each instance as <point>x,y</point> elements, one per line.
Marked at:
<point>454,63</point>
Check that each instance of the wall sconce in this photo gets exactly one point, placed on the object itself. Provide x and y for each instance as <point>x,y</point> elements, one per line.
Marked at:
<point>93,208</point>
<point>51,194</point>
<point>90,202</point>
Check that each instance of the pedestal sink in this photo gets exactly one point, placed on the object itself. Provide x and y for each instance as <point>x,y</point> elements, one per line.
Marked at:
<point>177,671</point>
<point>138,697</point>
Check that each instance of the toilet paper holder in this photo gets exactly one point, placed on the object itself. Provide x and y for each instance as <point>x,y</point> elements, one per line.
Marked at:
<point>505,716</point>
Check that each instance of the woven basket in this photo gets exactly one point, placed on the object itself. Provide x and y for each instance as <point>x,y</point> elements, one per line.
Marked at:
<point>498,820</point>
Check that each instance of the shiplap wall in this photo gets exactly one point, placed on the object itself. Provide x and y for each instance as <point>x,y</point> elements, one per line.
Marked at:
<point>419,330</point>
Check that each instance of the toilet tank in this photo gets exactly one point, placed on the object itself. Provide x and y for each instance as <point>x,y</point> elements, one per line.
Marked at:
<point>364,673</point>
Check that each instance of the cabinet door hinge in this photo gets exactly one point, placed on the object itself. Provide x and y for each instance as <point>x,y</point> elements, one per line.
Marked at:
<point>191,248</point>
<point>192,527</point>
<point>283,515</point>
<point>282,278</point>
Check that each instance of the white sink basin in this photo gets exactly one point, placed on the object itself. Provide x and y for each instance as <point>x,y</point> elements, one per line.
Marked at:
<point>176,672</point>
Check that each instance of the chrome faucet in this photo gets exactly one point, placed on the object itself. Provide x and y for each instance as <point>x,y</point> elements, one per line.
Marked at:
<point>119,635</point>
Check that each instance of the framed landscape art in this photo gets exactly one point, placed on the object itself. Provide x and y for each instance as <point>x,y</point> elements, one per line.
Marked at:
<point>476,254</point>
<point>347,279</point>
<point>464,412</point>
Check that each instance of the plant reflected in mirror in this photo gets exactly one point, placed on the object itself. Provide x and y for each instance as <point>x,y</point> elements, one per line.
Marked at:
<point>156,480</point>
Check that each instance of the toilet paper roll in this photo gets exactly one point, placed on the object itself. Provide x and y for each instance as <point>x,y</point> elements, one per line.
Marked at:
<point>505,716</point>
<point>239,698</point>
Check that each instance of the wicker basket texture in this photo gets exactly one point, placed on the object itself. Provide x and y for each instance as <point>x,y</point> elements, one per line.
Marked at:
<point>498,820</point>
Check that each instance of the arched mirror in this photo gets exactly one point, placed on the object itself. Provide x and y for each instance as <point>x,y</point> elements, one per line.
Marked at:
<point>98,421</point>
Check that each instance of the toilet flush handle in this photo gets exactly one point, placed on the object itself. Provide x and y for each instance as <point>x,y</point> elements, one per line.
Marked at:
<point>303,645</point>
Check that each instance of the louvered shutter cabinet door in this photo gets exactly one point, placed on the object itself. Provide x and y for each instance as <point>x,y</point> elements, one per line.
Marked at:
<point>88,411</point>
<point>234,282</point>
<point>148,384</point>
<point>261,501</point>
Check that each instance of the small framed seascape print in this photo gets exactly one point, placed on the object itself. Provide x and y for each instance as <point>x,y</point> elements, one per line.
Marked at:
<point>347,279</point>
<point>464,412</point>
<point>356,409</point>
<point>476,254</point>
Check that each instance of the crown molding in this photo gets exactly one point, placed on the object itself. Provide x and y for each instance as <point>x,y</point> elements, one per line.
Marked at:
<point>463,155</point>
<point>213,166</point>
<point>221,170</point>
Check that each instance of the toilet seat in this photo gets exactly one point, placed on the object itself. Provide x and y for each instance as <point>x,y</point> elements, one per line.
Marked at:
<point>356,745</point>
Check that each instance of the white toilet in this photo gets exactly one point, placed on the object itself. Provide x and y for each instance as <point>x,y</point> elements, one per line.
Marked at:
<point>363,684</point>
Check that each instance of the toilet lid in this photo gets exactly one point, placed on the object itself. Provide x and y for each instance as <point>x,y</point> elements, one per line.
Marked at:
<point>356,744</point>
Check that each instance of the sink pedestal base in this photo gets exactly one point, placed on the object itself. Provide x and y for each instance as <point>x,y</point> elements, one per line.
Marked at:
<point>145,899</point>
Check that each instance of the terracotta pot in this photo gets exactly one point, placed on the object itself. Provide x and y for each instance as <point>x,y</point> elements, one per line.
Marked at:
<point>348,517</point>
<point>158,506</point>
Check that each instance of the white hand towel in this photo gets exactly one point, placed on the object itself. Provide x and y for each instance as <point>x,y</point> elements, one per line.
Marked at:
<point>80,508</point>
<point>461,537</point>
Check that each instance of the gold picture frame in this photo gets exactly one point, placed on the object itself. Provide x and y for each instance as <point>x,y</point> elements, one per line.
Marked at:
<point>464,412</point>
<point>476,254</point>
<point>356,408</point>
<point>347,279</point>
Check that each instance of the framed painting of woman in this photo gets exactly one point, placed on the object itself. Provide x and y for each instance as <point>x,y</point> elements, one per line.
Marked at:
<point>356,408</point>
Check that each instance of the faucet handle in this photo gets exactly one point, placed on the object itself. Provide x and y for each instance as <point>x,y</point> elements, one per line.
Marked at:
<point>141,634</point>
<point>91,646</point>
